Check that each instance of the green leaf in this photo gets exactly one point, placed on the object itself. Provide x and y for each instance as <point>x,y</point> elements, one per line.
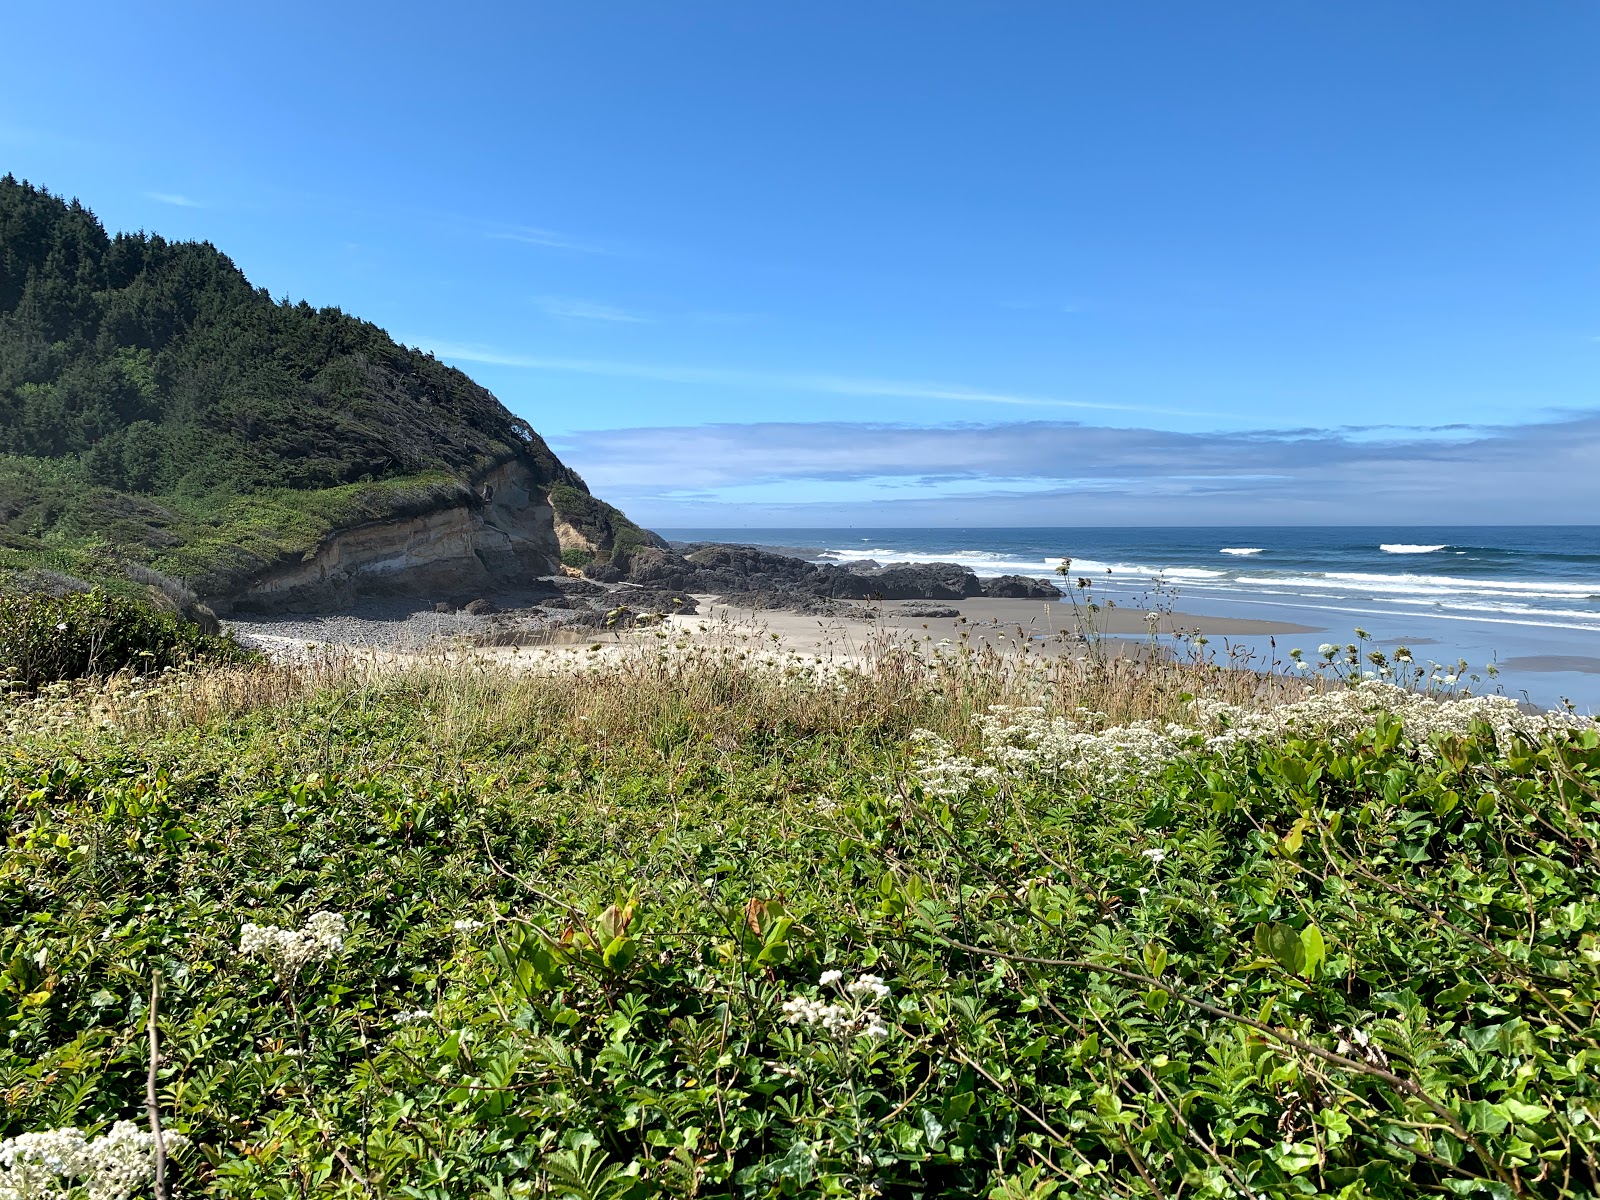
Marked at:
<point>1483,1117</point>
<point>620,952</point>
<point>1313,951</point>
<point>1282,943</point>
<point>1521,1110</point>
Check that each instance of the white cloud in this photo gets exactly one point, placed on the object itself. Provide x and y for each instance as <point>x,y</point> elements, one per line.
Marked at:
<point>174,198</point>
<point>1038,472</point>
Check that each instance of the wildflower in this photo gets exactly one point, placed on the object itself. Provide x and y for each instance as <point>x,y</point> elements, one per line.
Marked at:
<point>414,1016</point>
<point>1327,649</point>
<point>843,1021</point>
<point>1447,680</point>
<point>61,626</point>
<point>320,940</point>
<point>466,925</point>
<point>113,1166</point>
<point>1362,633</point>
<point>869,985</point>
<point>1143,892</point>
<point>1156,857</point>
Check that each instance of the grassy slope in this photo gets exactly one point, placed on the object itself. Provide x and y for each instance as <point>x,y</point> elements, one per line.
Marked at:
<point>663,856</point>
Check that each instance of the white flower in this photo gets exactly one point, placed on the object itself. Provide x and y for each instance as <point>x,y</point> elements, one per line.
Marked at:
<point>1156,857</point>
<point>114,1166</point>
<point>843,1021</point>
<point>869,985</point>
<point>61,626</point>
<point>414,1017</point>
<point>288,950</point>
<point>466,925</point>
<point>1447,679</point>
<point>1143,892</point>
<point>1327,649</point>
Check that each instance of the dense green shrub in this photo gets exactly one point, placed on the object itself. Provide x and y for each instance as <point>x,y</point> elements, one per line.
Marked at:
<point>44,639</point>
<point>576,960</point>
<point>577,556</point>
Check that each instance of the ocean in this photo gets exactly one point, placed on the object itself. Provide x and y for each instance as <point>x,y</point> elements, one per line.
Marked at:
<point>1526,598</point>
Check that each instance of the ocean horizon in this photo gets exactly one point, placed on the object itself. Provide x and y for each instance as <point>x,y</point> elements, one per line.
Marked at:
<point>1525,598</point>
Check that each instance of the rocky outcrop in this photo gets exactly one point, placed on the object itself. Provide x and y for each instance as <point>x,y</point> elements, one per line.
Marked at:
<point>1021,587</point>
<point>904,581</point>
<point>753,571</point>
<point>499,535</point>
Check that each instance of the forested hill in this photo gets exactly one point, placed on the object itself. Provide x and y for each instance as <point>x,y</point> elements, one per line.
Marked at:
<point>155,405</point>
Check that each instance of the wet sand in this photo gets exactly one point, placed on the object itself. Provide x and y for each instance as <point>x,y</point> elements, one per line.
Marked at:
<point>1000,624</point>
<point>1581,663</point>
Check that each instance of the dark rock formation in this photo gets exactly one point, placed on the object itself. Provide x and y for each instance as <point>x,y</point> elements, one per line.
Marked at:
<point>905,581</point>
<point>796,602</point>
<point>925,608</point>
<point>1021,587</point>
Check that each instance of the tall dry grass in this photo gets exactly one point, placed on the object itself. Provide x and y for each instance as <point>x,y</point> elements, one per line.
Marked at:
<point>647,687</point>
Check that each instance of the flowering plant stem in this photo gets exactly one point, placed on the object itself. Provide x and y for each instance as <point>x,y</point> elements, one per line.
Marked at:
<point>151,1102</point>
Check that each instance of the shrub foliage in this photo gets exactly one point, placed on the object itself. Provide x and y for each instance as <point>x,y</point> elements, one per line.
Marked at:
<point>718,952</point>
<point>46,639</point>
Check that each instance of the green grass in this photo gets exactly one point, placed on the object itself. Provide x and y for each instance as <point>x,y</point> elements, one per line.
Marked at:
<point>55,521</point>
<point>1333,960</point>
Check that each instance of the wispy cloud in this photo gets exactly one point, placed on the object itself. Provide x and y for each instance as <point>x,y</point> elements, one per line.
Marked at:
<point>174,198</point>
<point>835,385</point>
<point>1002,473</point>
<point>531,236</point>
<point>586,310</point>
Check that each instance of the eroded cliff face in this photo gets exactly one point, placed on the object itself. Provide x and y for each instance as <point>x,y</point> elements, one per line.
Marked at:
<point>473,547</point>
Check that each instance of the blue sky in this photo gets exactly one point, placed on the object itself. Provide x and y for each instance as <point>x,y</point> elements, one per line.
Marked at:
<point>908,263</point>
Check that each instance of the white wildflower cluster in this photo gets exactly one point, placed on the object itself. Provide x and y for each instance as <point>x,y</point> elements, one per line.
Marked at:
<point>52,1164</point>
<point>290,949</point>
<point>1347,711</point>
<point>1020,741</point>
<point>413,1016</point>
<point>466,925</point>
<point>854,1015</point>
<point>1025,738</point>
<point>943,772</point>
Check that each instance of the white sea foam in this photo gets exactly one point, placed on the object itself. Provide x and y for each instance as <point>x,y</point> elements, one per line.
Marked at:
<point>1407,548</point>
<point>1240,550</point>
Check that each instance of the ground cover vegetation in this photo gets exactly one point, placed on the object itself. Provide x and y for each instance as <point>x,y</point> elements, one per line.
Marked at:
<point>717,922</point>
<point>156,408</point>
<point>47,639</point>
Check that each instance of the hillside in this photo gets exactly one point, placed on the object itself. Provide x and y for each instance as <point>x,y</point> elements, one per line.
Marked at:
<point>157,412</point>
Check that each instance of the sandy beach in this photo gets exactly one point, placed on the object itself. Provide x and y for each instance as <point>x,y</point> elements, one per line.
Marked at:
<point>1047,627</point>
